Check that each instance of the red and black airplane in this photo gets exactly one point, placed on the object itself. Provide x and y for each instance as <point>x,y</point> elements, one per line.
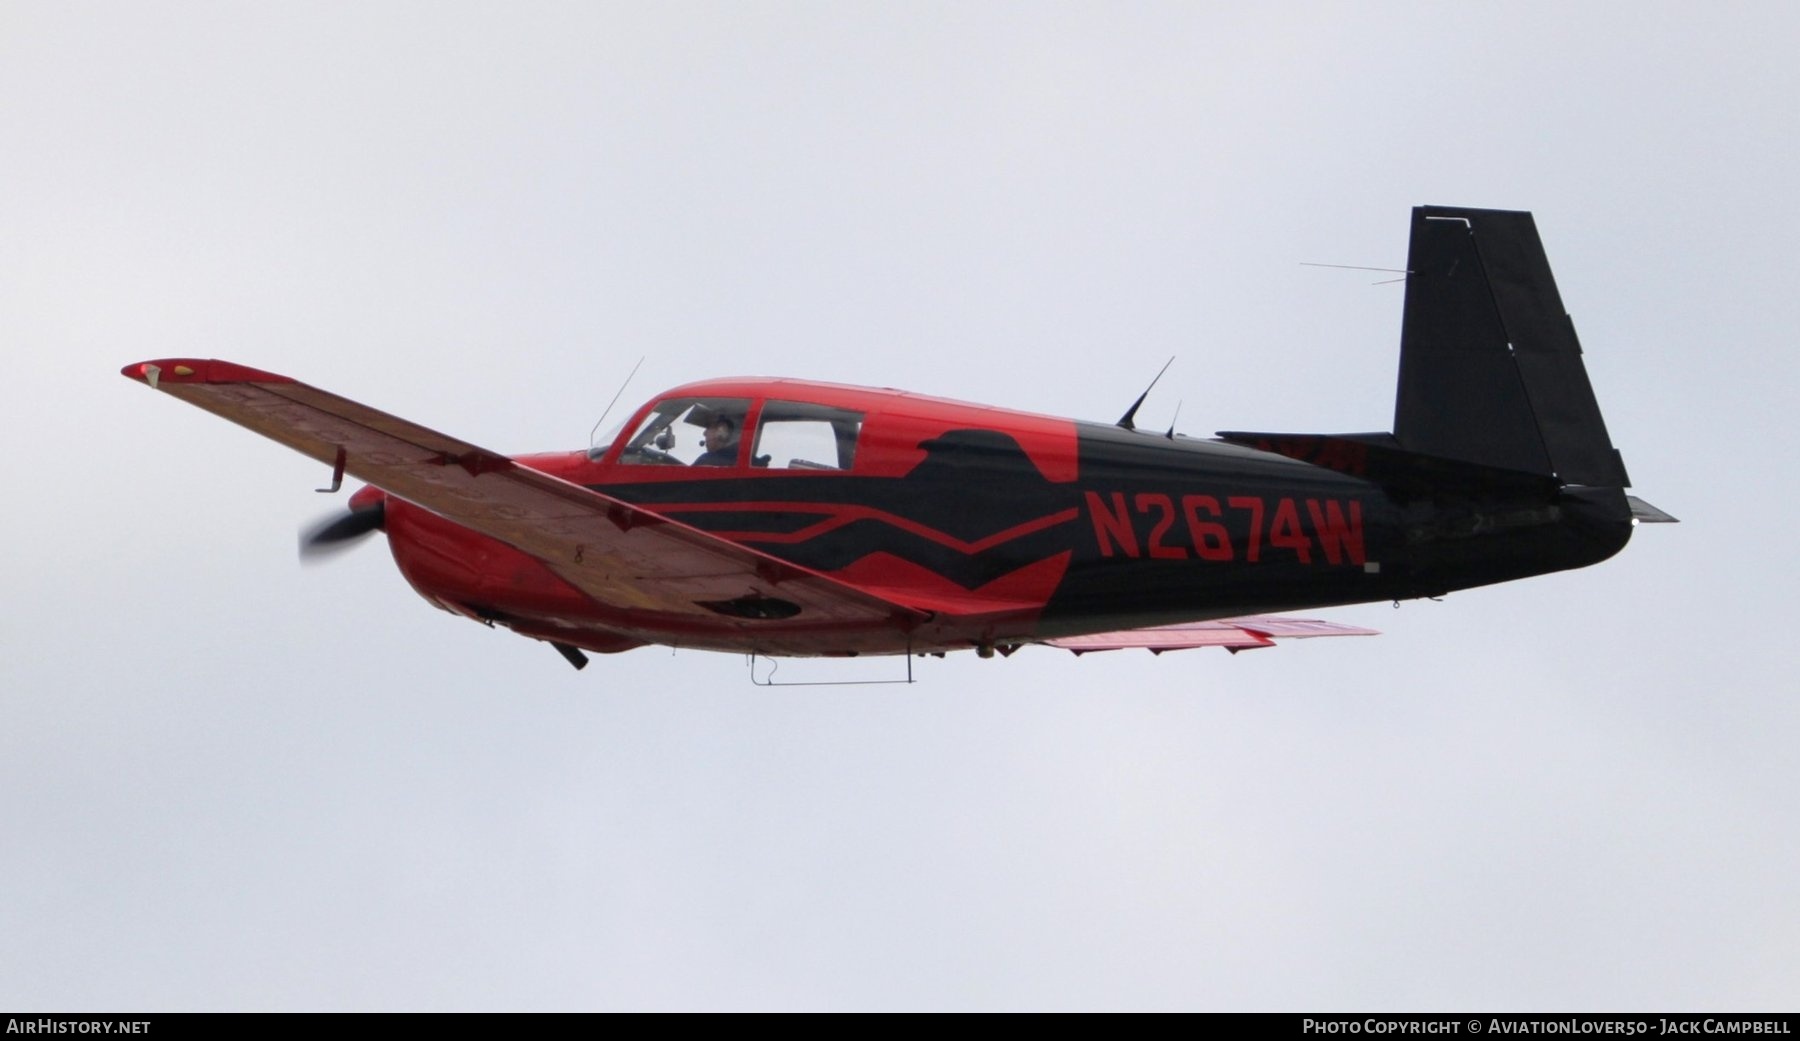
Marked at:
<point>815,519</point>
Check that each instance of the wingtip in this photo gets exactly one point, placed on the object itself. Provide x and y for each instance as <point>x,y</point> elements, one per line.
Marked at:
<point>142,371</point>
<point>196,370</point>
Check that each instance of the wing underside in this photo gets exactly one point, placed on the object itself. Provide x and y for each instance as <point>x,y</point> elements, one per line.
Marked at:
<point>622,555</point>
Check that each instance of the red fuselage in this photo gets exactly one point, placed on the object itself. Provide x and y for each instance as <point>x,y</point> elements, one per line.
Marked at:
<point>1003,527</point>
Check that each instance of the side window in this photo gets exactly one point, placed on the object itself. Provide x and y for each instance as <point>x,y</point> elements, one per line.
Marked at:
<point>689,432</point>
<point>795,435</point>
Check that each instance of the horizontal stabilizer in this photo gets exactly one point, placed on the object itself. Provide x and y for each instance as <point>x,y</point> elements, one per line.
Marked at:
<point>1233,634</point>
<point>1644,513</point>
<point>1376,458</point>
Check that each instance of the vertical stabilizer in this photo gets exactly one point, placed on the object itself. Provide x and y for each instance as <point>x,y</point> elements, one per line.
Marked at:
<point>1490,369</point>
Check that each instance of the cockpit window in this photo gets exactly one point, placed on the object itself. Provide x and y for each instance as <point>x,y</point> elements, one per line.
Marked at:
<point>795,435</point>
<point>689,432</point>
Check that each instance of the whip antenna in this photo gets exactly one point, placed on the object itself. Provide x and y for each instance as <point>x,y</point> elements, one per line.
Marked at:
<point>614,401</point>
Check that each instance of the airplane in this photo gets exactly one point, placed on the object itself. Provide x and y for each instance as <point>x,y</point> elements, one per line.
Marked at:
<point>783,517</point>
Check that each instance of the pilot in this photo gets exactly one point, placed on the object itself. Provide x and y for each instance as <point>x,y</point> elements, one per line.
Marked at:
<point>721,443</point>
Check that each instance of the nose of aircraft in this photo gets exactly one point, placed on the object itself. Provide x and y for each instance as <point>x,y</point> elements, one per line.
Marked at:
<point>366,497</point>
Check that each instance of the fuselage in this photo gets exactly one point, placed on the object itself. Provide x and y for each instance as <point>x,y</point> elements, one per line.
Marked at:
<point>1017,526</point>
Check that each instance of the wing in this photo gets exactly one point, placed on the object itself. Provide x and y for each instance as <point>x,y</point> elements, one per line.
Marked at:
<point>1233,634</point>
<point>621,555</point>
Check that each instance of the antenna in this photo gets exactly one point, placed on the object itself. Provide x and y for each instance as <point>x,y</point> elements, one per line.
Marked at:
<point>1171,434</point>
<point>610,404</point>
<point>1403,272</point>
<point>1125,420</point>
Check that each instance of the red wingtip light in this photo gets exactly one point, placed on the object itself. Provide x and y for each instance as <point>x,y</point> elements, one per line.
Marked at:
<point>198,370</point>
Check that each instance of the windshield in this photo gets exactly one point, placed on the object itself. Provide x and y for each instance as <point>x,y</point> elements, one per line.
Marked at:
<point>688,432</point>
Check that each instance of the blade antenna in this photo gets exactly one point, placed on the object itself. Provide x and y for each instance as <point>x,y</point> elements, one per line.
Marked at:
<point>1125,420</point>
<point>614,401</point>
<point>1171,434</point>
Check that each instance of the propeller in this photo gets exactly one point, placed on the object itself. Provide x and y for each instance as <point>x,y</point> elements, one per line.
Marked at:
<point>340,532</point>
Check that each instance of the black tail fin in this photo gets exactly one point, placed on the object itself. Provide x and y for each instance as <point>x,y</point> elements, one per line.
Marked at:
<point>1490,369</point>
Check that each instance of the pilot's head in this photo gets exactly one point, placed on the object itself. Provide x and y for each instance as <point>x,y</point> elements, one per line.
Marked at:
<point>720,433</point>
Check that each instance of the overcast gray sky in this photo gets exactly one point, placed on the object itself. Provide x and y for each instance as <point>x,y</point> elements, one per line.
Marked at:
<point>229,782</point>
